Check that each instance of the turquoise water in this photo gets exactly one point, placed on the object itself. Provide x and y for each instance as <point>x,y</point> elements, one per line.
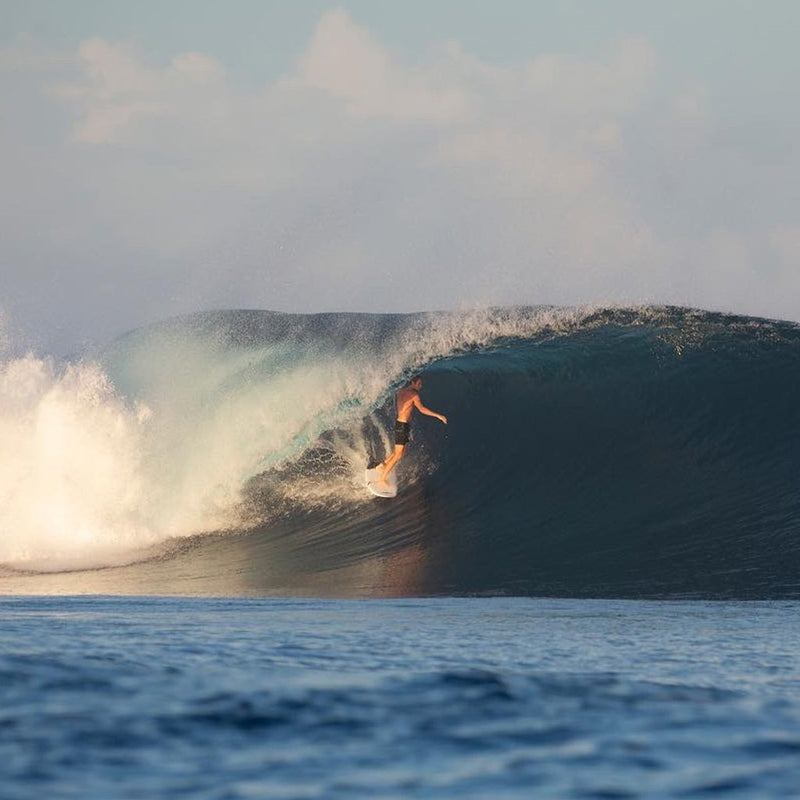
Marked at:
<point>413,698</point>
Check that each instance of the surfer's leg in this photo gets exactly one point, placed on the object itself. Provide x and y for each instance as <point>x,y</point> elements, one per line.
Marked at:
<point>390,464</point>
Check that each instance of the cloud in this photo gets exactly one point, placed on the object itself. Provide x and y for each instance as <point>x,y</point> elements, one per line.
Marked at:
<point>346,61</point>
<point>583,89</point>
<point>361,181</point>
<point>116,89</point>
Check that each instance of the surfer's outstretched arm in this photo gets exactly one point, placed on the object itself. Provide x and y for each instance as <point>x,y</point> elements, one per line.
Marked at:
<point>427,412</point>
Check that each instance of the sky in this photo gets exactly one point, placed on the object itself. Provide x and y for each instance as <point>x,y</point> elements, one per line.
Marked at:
<point>158,158</point>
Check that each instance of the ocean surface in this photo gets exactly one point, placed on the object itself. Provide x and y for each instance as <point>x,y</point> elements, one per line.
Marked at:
<point>407,698</point>
<point>587,586</point>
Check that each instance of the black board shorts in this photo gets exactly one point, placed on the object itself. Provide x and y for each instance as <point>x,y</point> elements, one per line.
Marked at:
<point>402,432</point>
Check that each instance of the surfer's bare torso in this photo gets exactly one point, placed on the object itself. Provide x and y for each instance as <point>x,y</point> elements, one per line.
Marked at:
<point>405,403</point>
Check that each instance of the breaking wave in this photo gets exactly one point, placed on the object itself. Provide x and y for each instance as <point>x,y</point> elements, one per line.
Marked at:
<point>617,452</point>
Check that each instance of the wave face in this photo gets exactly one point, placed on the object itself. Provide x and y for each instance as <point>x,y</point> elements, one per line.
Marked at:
<point>647,452</point>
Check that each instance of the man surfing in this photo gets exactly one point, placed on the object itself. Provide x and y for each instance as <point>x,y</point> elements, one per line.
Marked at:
<point>407,401</point>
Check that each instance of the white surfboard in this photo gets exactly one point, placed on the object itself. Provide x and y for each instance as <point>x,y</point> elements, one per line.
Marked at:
<point>372,476</point>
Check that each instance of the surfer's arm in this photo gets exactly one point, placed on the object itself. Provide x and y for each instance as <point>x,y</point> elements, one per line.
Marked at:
<point>427,412</point>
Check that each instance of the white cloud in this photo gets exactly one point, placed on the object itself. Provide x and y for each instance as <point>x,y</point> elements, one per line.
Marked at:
<point>116,89</point>
<point>578,88</point>
<point>346,61</point>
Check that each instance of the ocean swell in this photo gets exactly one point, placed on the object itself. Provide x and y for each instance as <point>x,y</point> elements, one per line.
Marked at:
<point>606,452</point>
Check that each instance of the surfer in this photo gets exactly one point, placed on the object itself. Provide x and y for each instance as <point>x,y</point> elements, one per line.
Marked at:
<point>407,401</point>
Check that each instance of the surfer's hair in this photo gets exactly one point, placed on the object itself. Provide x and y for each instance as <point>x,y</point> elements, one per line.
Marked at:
<point>415,379</point>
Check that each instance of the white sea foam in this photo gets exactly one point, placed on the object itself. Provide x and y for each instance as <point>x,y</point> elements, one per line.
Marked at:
<point>71,475</point>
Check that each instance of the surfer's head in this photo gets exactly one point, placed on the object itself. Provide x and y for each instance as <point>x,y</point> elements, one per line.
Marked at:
<point>416,383</point>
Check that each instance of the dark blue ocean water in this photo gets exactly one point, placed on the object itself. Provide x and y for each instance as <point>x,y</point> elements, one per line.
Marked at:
<point>412,698</point>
